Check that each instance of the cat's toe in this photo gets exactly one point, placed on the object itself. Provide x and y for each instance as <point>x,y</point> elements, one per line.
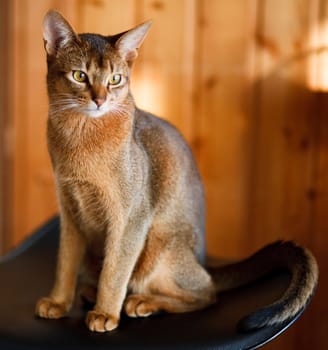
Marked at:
<point>48,308</point>
<point>136,306</point>
<point>101,322</point>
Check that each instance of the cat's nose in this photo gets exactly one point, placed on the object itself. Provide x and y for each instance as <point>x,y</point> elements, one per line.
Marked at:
<point>99,101</point>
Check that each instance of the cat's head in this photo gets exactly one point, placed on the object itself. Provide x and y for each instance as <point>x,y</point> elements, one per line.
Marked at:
<point>89,73</point>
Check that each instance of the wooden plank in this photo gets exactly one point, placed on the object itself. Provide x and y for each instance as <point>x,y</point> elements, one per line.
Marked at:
<point>3,63</point>
<point>283,152</point>
<point>163,74</point>
<point>68,8</point>
<point>223,83</point>
<point>282,189</point>
<point>5,127</point>
<point>106,17</point>
<point>20,119</point>
<point>317,338</point>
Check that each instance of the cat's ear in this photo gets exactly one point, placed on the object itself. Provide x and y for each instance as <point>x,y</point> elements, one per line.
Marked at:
<point>130,41</point>
<point>57,32</point>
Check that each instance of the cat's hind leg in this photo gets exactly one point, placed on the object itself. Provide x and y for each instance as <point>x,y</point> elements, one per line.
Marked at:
<point>176,286</point>
<point>144,305</point>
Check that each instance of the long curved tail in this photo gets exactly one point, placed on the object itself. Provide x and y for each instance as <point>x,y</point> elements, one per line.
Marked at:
<point>279,255</point>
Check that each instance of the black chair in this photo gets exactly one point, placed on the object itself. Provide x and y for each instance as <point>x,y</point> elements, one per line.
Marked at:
<point>27,273</point>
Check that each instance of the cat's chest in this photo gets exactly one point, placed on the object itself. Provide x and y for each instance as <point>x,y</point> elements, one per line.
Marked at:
<point>87,204</point>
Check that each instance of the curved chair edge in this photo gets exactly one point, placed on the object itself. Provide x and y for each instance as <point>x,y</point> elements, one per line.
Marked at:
<point>40,232</point>
<point>282,330</point>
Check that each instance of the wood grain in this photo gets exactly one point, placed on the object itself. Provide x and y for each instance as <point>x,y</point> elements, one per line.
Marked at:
<point>282,187</point>
<point>6,14</point>
<point>222,119</point>
<point>162,81</point>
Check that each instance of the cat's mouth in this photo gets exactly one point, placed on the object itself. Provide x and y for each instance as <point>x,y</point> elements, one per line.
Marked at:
<point>89,108</point>
<point>107,108</point>
<point>95,110</point>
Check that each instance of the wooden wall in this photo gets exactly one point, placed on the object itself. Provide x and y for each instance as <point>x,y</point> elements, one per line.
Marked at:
<point>5,116</point>
<point>247,84</point>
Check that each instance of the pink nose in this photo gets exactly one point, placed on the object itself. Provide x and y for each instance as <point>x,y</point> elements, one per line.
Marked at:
<point>99,101</point>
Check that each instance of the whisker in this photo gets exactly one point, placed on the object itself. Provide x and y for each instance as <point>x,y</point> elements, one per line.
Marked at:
<point>119,109</point>
<point>61,102</point>
<point>61,107</point>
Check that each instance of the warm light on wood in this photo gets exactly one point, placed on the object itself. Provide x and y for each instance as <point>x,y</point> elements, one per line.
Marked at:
<point>148,93</point>
<point>318,62</point>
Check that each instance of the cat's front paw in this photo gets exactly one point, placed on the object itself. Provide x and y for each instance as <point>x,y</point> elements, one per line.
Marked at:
<point>101,322</point>
<point>48,308</point>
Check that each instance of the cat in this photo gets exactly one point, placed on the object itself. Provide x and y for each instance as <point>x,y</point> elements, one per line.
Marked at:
<point>131,199</point>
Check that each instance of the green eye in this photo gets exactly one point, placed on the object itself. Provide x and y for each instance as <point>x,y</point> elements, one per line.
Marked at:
<point>79,76</point>
<point>115,79</point>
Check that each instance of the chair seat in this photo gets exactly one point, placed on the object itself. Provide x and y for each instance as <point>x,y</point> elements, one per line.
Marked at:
<point>27,274</point>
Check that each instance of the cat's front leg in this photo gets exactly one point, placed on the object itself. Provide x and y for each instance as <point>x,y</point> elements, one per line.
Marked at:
<point>71,249</point>
<point>121,254</point>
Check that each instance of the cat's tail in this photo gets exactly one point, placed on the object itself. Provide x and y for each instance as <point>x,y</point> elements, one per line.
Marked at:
<point>279,255</point>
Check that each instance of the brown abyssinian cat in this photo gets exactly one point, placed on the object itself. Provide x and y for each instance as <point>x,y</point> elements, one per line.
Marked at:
<point>131,199</point>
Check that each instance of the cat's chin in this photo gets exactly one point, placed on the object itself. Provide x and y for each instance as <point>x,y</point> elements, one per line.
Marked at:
<point>95,113</point>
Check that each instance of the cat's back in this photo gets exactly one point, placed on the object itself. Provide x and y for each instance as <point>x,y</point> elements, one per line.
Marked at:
<point>173,169</point>
<point>161,140</point>
<point>175,184</point>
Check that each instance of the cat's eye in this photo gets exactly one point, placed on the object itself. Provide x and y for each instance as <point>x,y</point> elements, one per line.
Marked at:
<point>79,76</point>
<point>115,79</point>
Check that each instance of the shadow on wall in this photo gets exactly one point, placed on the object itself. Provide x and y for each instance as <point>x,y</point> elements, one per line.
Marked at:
<point>288,165</point>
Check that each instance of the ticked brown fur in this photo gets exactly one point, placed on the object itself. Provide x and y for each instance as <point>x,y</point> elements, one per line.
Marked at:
<point>131,199</point>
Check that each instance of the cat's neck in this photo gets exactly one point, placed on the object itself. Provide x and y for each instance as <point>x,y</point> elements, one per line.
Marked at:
<point>71,130</point>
